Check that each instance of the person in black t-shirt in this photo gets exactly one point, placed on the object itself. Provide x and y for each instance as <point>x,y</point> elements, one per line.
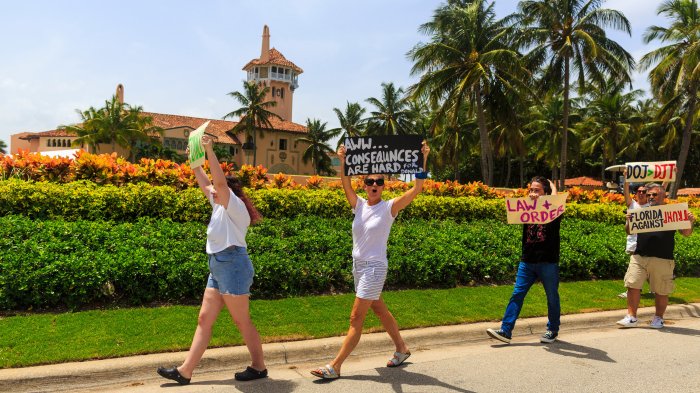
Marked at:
<point>540,259</point>
<point>652,260</point>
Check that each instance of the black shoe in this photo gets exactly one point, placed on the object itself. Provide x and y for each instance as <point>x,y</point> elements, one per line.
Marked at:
<point>172,373</point>
<point>250,374</point>
<point>499,335</point>
<point>549,337</point>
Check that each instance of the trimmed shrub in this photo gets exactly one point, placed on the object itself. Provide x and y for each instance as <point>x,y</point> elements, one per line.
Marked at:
<point>56,263</point>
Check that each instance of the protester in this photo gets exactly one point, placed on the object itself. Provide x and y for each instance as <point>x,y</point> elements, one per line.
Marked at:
<point>652,260</point>
<point>370,234</point>
<point>230,270</point>
<point>640,200</point>
<point>539,259</point>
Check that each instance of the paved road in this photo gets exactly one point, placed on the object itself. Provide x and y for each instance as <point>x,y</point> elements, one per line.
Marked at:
<point>599,360</point>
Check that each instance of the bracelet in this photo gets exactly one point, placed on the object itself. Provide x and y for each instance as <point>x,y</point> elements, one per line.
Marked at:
<point>421,175</point>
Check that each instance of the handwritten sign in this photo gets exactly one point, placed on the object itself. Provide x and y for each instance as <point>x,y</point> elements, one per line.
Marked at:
<point>542,210</point>
<point>659,218</point>
<point>383,154</point>
<point>197,152</point>
<point>660,171</point>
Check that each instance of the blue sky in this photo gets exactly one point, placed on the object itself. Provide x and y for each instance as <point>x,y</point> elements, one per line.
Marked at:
<point>182,57</point>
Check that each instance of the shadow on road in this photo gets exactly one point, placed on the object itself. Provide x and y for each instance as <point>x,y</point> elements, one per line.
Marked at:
<point>398,378</point>
<point>265,385</point>
<point>680,330</point>
<point>565,348</point>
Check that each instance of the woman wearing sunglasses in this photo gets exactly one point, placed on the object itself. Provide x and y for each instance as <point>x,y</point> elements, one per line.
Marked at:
<point>370,234</point>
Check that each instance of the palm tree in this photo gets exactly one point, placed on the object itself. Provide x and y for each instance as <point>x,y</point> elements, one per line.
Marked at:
<point>544,130</point>
<point>3,147</point>
<point>611,121</point>
<point>392,115</point>
<point>254,113</point>
<point>675,78</point>
<point>568,36</point>
<point>117,123</point>
<point>318,150</point>
<point>351,122</point>
<point>467,54</point>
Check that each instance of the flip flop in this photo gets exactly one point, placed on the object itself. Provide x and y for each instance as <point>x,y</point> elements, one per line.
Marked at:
<point>398,359</point>
<point>326,372</point>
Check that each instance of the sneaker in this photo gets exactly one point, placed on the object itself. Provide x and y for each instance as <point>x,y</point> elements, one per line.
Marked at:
<point>499,335</point>
<point>628,321</point>
<point>657,322</point>
<point>549,337</point>
<point>623,295</point>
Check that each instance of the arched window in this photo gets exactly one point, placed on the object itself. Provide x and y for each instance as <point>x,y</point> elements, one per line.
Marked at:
<point>281,92</point>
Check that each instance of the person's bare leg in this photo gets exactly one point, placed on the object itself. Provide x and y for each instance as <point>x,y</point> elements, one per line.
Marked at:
<point>661,302</point>
<point>238,307</point>
<point>212,303</point>
<point>357,319</point>
<point>633,296</point>
<point>390,325</point>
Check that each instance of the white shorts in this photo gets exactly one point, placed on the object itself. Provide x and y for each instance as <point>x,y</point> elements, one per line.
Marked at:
<point>369,278</point>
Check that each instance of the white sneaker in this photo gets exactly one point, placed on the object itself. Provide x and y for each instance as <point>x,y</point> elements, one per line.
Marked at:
<point>628,321</point>
<point>657,322</point>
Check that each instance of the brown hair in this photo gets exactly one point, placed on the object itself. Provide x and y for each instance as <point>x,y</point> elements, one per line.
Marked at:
<point>237,187</point>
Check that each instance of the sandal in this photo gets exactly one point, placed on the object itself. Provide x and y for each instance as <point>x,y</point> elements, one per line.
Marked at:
<point>398,359</point>
<point>250,374</point>
<point>326,372</point>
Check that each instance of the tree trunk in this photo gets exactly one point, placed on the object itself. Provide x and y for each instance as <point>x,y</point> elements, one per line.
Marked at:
<point>685,144</point>
<point>565,127</point>
<point>522,171</point>
<point>507,170</point>
<point>486,148</point>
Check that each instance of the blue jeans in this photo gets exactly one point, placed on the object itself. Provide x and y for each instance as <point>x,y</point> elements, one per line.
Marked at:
<point>528,273</point>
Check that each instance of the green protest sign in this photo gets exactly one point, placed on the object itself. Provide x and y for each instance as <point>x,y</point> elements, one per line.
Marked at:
<point>197,152</point>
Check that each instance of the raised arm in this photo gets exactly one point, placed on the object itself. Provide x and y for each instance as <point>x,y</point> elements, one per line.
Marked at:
<point>553,186</point>
<point>217,174</point>
<point>626,188</point>
<point>350,193</point>
<point>400,202</point>
<point>201,176</point>
<point>689,231</point>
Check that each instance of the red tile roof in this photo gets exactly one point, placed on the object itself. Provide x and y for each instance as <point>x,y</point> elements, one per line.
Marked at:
<point>218,128</point>
<point>689,191</point>
<point>52,133</point>
<point>583,181</point>
<point>276,58</point>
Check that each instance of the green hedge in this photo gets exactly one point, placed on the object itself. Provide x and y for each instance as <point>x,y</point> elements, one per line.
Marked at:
<point>56,263</point>
<point>88,201</point>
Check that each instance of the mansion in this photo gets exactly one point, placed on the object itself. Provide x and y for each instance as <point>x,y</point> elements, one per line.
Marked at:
<point>278,149</point>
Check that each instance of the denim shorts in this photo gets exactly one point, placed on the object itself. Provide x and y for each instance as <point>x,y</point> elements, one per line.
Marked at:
<point>230,271</point>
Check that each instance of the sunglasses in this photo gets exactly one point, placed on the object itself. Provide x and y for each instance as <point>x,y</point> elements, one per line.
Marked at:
<point>371,182</point>
<point>653,194</point>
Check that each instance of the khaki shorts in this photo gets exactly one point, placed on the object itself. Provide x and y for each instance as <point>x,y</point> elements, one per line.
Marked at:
<point>658,271</point>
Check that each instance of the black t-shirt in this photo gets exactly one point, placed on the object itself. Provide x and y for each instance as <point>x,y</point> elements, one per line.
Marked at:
<point>541,242</point>
<point>656,244</point>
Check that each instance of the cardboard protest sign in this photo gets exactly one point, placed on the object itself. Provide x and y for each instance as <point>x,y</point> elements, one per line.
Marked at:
<point>197,152</point>
<point>659,171</point>
<point>399,154</point>
<point>542,210</point>
<point>659,218</point>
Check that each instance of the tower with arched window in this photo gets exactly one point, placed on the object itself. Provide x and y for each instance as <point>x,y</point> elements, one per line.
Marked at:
<point>273,70</point>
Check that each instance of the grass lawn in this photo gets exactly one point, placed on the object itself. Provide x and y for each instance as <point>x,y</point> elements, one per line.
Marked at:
<point>53,338</point>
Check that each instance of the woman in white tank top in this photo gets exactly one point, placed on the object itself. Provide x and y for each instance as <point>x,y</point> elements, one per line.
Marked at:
<point>370,233</point>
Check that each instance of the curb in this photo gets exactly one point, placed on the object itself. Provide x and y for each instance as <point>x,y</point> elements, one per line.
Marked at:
<point>112,371</point>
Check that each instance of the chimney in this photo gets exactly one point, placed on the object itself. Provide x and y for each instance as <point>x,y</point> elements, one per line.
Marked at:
<point>265,51</point>
<point>120,93</point>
